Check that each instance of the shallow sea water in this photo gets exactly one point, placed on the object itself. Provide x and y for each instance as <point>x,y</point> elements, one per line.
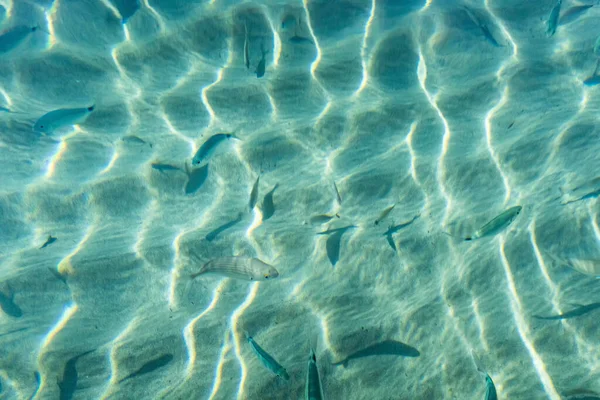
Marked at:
<point>451,114</point>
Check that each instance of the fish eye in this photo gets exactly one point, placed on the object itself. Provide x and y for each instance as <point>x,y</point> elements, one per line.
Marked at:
<point>266,276</point>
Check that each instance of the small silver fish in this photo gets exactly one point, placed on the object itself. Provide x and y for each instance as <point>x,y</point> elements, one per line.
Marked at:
<point>209,147</point>
<point>337,194</point>
<point>553,19</point>
<point>13,37</point>
<point>266,359</point>
<point>57,119</point>
<point>246,48</point>
<point>254,195</point>
<point>135,140</point>
<point>243,268</point>
<point>313,390</point>
<point>497,224</point>
<point>384,214</point>
<point>322,218</point>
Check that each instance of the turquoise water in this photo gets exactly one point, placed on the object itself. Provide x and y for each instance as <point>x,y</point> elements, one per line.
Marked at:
<point>450,112</point>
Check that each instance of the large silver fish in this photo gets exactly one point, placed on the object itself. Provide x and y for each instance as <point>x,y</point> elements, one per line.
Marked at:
<point>57,119</point>
<point>497,224</point>
<point>243,268</point>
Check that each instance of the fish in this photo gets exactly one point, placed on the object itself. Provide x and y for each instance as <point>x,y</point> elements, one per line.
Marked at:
<point>164,167</point>
<point>313,390</point>
<point>4,109</point>
<point>337,194</point>
<point>58,275</point>
<point>497,224</point>
<point>384,214</point>
<point>553,19</point>
<point>580,310</point>
<point>300,39</point>
<point>11,38</point>
<point>8,305</point>
<point>386,347</point>
<point>68,384</point>
<point>490,388</point>
<point>288,22</point>
<point>196,178</point>
<point>334,230</point>
<point>38,381</point>
<point>135,140</point>
<point>150,366</point>
<point>127,9</point>
<point>589,190</point>
<point>266,359</point>
<point>51,239</point>
<point>246,48</point>
<point>254,195</point>
<point>592,80</point>
<point>209,146</point>
<point>573,13</point>
<point>395,228</point>
<point>268,207</point>
<point>243,268</point>
<point>322,218</point>
<point>212,235</point>
<point>260,68</point>
<point>482,26</point>
<point>60,118</point>
<point>582,394</point>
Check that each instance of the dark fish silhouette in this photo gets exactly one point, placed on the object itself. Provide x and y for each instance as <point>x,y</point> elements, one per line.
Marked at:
<point>38,380</point>
<point>58,275</point>
<point>260,68</point>
<point>573,13</point>
<point>254,194</point>
<point>387,347</point>
<point>337,194</point>
<point>573,313</point>
<point>127,8</point>
<point>395,228</point>
<point>334,230</point>
<point>68,384</point>
<point>213,234</point>
<point>333,243</point>
<point>8,305</point>
<point>51,239</point>
<point>482,26</point>
<point>150,366</point>
<point>164,167</point>
<point>268,207</point>
<point>196,178</point>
